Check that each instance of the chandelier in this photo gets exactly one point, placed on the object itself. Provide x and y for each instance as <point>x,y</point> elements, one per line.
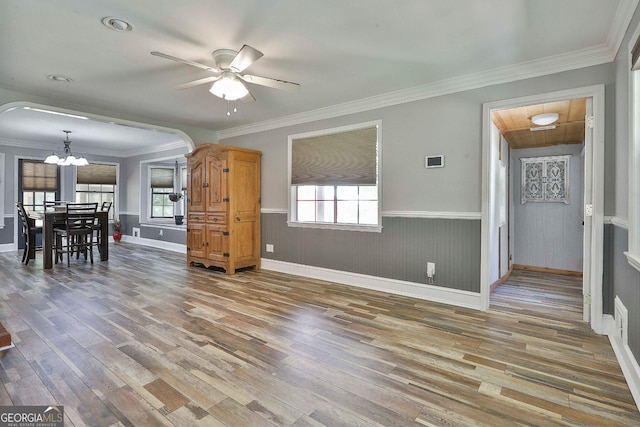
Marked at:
<point>67,159</point>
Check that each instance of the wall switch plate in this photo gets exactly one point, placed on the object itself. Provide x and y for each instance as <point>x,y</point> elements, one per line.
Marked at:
<point>269,247</point>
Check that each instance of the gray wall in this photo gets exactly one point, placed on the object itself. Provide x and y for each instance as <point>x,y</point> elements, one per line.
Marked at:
<point>625,282</point>
<point>399,252</point>
<point>449,125</point>
<point>549,235</point>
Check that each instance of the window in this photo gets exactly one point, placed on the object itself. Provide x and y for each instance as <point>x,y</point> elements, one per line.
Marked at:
<point>335,178</point>
<point>39,183</point>
<point>161,187</point>
<point>96,183</point>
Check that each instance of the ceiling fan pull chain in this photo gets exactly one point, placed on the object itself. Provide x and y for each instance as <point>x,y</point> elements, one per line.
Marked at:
<point>235,106</point>
<point>228,112</point>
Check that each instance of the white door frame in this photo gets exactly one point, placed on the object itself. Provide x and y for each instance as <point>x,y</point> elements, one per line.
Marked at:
<point>594,193</point>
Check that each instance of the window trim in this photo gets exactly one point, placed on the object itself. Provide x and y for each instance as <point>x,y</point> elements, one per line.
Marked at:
<point>291,190</point>
<point>151,205</point>
<point>633,252</point>
<point>145,193</point>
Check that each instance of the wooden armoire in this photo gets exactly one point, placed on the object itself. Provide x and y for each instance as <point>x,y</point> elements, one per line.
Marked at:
<point>223,207</point>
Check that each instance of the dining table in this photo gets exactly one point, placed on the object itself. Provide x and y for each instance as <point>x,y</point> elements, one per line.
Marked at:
<point>51,217</point>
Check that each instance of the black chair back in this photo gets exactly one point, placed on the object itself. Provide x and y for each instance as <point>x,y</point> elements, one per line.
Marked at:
<point>23,217</point>
<point>106,206</point>
<point>29,231</point>
<point>81,217</point>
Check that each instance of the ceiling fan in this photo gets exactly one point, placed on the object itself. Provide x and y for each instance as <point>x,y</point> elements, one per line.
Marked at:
<point>227,75</point>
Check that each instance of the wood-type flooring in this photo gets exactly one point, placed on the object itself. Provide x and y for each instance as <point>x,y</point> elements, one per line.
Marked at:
<point>144,340</point>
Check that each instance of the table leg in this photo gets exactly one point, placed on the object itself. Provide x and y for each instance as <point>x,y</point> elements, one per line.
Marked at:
<point>47,241</point>
<point>104,237</point>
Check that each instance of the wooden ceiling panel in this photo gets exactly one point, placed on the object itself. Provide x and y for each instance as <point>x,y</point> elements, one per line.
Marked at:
<point>515,124</point>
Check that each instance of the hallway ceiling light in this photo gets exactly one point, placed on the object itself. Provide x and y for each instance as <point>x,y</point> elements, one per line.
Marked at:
<point>544,119</point>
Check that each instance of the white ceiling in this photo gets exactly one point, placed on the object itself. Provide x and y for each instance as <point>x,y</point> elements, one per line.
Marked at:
<point>338,51</point>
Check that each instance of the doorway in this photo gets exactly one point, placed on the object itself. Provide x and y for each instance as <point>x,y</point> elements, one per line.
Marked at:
<point>593,195</point>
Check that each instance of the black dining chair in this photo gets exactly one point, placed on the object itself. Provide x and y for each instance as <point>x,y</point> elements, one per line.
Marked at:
<point>77,234</point>
<point>29,231</point>
<point>105,207</point>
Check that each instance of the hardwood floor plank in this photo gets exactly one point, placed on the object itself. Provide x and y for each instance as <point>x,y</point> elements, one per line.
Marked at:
<point>144,340</point>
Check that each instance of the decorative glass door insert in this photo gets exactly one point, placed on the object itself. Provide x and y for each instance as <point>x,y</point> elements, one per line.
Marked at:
<point>545,179</point>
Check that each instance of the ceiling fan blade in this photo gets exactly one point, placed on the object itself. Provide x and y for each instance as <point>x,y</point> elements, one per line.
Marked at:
<point>269,82</point>
<point>197,82</point>
<point>186,61</point>
<point>247,56</point>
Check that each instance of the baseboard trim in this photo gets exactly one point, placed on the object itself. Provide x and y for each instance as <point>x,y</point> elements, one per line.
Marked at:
<point>174,247</point>
<point>547,270</point>
<point>501,280</point>
<point>8,247</point>
<point>398,287</point>
<point>629,366</point>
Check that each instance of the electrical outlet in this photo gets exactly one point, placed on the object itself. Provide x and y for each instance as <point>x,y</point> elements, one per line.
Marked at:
<point>269,247</point>
<point>431,269</point>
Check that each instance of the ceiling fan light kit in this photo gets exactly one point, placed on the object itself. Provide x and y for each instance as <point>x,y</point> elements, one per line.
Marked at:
<point>227,78</point>
<point>67,159</point>
<point>228,87</point>
<point>544,119</point>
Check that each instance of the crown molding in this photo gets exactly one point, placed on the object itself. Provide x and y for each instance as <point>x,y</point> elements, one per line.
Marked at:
<point>550,65</point>
<point>621,21</point>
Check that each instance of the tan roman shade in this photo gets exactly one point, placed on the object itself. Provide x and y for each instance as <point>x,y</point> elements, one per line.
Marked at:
<point>345,158</point>
<point>39,176</point>
<point>97,174</point>
<point>161,178</point>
